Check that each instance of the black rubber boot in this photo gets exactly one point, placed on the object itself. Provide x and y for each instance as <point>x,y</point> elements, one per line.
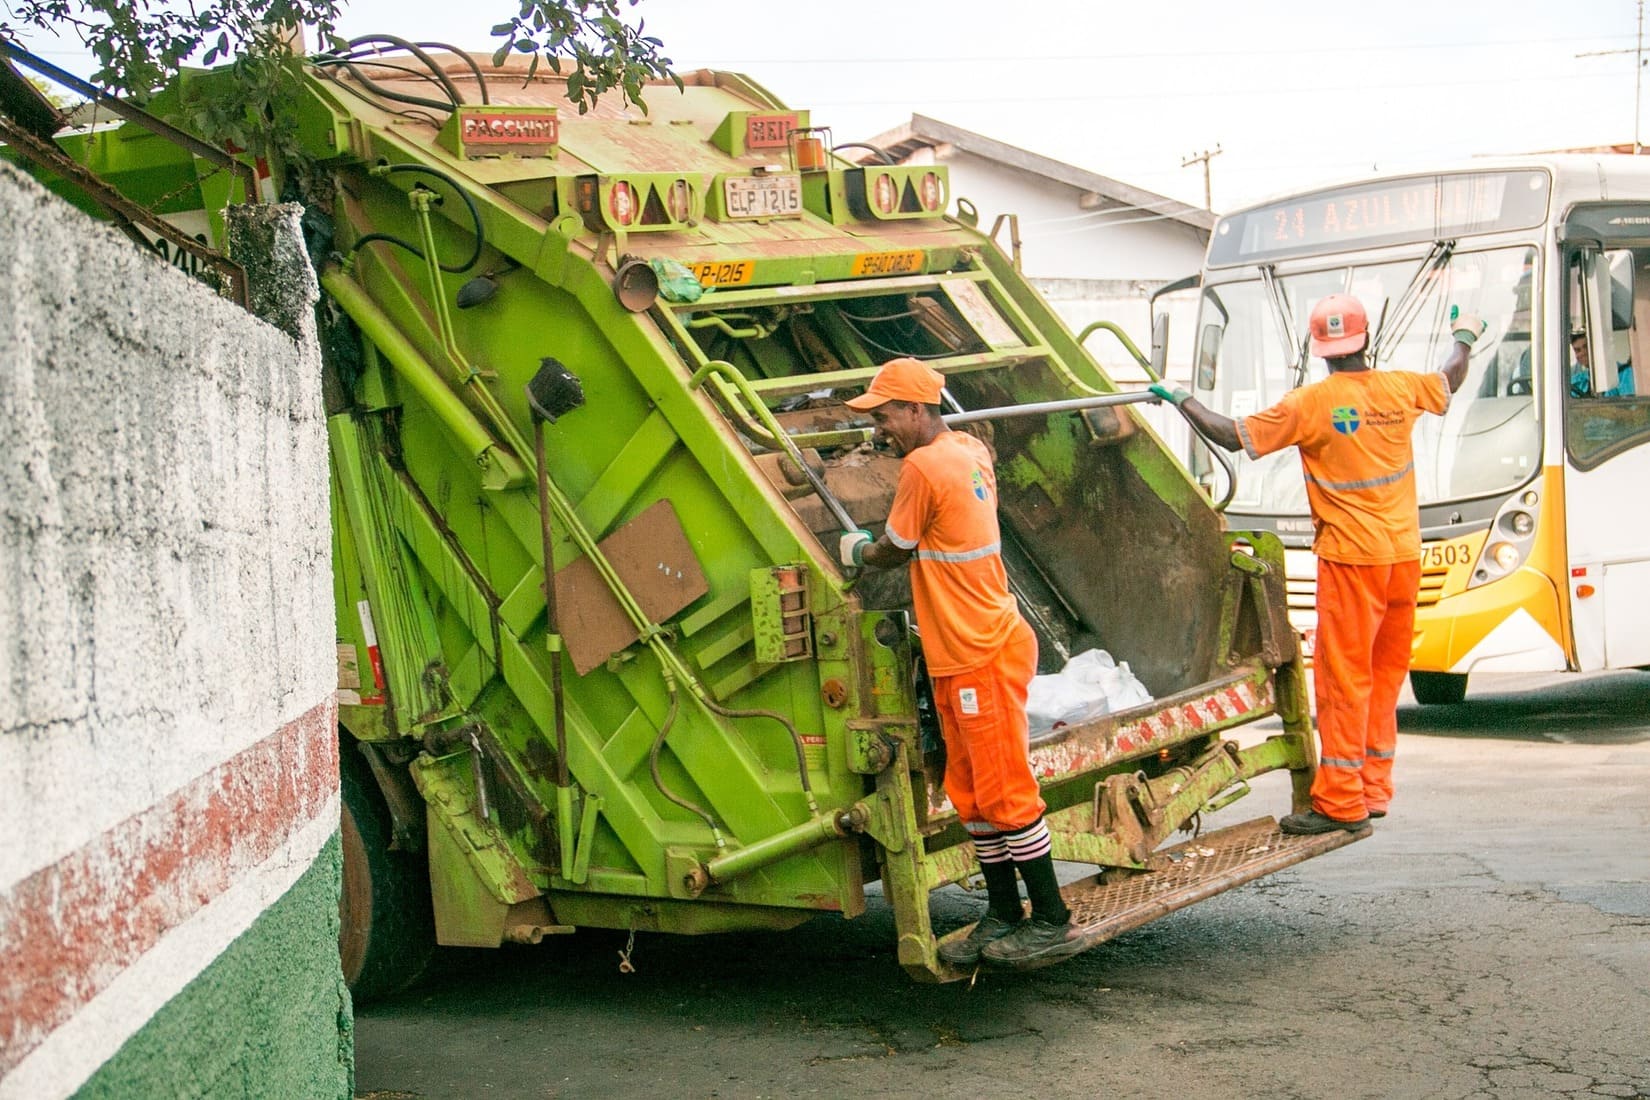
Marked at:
<point>1311,823</point>
<point>965,952</point>
<point>1003,912</point>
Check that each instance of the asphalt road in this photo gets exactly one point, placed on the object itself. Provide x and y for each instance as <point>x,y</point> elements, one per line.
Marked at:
<point>1492,939</point>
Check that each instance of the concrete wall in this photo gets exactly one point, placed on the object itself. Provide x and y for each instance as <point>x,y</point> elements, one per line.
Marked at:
<point>168,761</point>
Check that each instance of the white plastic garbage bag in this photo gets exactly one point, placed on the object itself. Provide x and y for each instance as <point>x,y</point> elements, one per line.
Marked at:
<point>1091,684</point>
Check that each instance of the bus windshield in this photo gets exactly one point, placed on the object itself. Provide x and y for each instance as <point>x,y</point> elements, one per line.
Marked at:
<point>1488,441</point>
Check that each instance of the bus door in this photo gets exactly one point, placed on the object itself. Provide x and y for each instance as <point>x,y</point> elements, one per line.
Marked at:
<point>1607,435</point>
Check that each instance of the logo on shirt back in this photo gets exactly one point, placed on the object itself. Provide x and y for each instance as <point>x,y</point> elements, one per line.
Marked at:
<point>977,481</point>
<point>1345,418</point>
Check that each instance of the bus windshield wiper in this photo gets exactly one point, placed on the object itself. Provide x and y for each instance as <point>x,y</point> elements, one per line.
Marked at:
<point>1409,302</point>
<point>1294,356</point>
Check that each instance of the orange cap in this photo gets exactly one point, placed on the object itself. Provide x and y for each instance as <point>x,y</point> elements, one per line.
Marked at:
<point>1339,326</point>
<point>901,380</point>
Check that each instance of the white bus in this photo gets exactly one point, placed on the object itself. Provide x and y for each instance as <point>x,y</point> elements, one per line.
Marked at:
<point>1535,485</point>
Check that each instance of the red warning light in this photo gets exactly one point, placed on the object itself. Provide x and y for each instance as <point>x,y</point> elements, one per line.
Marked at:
<point>929,191</point>
<point>621,203</point>
<point>886,192</point>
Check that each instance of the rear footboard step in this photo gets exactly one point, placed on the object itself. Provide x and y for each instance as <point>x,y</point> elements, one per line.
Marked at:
<point>1196,869</point>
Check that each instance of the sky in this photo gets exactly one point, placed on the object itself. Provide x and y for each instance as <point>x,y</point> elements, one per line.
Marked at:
<point>1293,93</point>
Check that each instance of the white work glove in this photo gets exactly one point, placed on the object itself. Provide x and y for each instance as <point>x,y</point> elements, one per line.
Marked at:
<point>850,548</point>
<point>1466,327</point>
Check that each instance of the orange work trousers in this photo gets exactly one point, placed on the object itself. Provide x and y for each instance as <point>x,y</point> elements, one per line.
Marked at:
<point>987,739</point>
<point>1366,626</point>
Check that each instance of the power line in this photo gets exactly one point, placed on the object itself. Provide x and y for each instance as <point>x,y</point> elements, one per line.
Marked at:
<point>1132,54</point>
<point>1222,93</point>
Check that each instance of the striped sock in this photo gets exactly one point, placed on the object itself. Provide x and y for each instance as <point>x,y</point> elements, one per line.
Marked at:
<point>1002,890</point>
<point>1030,842</point>
<point>1031,848</point>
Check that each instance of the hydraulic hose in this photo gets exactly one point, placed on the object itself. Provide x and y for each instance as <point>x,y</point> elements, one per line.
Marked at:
<point>353,47</point>
<point>481,81</point>
<point>469,204</point>
<point>659,780</point>
<point>796,741</point>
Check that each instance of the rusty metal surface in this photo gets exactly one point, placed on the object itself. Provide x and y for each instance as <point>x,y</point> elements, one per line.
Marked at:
<point>131,112</point>
<point>1196,869</point>
<point>655,561</point>
<point>127,215</point>
<point>1112,738</point>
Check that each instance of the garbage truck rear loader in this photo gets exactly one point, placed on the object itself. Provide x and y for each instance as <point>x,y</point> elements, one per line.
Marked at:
<point>590,460</point>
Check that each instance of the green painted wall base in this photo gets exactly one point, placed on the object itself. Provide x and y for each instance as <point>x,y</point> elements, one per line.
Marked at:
<point>269,1017</point>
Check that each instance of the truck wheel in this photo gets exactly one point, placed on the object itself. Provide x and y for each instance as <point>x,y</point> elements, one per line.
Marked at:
<point>386,935</point>
<point>1438,689</point>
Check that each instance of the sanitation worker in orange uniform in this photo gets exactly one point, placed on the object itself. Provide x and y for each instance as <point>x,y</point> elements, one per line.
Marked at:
<point>1353,430</point>
<point>980,653</point>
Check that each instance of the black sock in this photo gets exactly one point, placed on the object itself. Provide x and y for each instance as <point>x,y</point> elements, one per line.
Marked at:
<point>1030,848</point>
<point>1044,890</point>
<point>1002,892</point>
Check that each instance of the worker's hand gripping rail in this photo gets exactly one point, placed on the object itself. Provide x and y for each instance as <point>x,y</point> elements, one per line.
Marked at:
<point>1154,370</point>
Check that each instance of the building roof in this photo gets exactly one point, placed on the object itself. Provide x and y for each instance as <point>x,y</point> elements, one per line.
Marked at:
<point>924,132</point>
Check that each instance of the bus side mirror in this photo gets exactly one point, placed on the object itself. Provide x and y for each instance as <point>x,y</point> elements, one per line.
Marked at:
<point>1160,345</point>
<point>1208,353</point>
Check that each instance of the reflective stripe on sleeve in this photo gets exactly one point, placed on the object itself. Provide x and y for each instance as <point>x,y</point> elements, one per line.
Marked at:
<point>898,539</point>
<point>1243,437</point>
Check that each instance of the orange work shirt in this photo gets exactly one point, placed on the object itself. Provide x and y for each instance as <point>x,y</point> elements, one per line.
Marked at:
<point>1353,429</point>
<point>945,509</point>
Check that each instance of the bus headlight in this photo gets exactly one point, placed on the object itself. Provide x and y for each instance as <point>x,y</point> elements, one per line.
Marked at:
<point>1505,556</point>
<point>1518,524</point>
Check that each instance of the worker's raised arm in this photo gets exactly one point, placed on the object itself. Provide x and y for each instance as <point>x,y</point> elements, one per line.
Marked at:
<point>1466,328</point>
<point>1218,429</point>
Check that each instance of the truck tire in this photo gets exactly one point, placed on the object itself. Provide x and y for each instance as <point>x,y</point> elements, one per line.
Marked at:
<point>1438,689</point>
<point>386,935</point>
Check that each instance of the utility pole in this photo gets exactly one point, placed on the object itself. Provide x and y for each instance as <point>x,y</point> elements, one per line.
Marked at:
<point>1638,74</point>
<point>1207,155</point>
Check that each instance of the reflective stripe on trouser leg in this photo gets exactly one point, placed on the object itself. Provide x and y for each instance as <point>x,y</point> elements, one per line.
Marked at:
<point>1394,640</point>
<point>1351,603</point>
<point>983,717</point>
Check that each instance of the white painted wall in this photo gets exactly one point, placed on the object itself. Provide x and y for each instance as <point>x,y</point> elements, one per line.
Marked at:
<point>165,616</point>
<point>1060,240</point>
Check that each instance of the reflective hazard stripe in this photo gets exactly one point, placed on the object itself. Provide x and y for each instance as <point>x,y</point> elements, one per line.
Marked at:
<point>1337,762</point>
<point>1383,755</point>
<point>1449,394</point>
<point>959,555</point>
<point>1243,437</point>
<point>898,539</point>
<point>1372,483</point>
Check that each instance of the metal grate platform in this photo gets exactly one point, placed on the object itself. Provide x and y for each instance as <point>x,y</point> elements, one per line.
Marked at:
<point>1197,869</point>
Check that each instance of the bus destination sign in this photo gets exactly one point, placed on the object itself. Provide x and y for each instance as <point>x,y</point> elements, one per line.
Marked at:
<point>1417,208</point>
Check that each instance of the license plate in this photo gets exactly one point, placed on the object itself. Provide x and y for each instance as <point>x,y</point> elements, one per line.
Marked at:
<point>724,272</point>
<point>888,263</point>
<point>762,196</point>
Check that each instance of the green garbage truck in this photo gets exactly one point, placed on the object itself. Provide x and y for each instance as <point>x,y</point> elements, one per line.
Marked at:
<point>598,663</point>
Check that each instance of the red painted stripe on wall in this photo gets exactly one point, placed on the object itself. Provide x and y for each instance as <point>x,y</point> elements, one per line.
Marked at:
<point>69,929</point>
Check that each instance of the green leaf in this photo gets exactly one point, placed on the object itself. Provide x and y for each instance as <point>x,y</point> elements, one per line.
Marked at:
<point>500,54</point>
<point>503,28</point>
